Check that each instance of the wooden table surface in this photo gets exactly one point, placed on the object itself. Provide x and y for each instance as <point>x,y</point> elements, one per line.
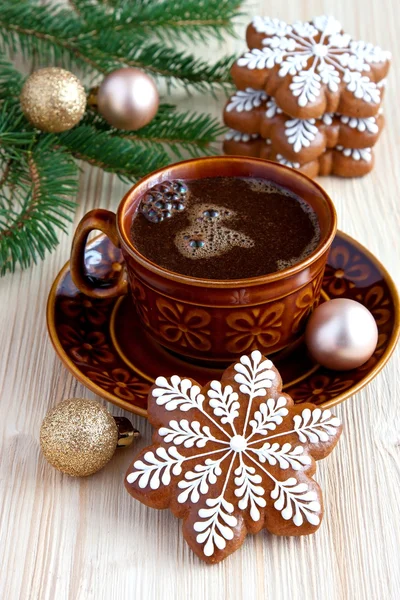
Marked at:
<point>64,538</point>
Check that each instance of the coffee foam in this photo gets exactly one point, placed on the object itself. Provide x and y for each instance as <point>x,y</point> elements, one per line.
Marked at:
<point>209,231</point>
<point>263,186</point>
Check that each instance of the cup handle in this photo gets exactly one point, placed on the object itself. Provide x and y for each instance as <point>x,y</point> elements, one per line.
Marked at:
<point>105,221</point>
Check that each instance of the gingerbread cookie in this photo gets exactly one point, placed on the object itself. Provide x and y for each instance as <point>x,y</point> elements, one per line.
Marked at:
<point>340,161</point>
<point>312,68</point>
<point>299,140</point>
<point>233,457</point>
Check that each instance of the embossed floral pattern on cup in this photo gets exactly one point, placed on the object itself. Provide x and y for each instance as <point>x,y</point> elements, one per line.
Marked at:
<point>254,328</point>
<point>240,297</point>
<point>87,347</point>
<point>87,316</point>
<point>304,304</point>
<point>139,297</point>
<point>120,382</point>
<point>185,325</point>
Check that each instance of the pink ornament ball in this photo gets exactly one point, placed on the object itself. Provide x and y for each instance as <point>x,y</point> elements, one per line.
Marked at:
<point>341,334</point>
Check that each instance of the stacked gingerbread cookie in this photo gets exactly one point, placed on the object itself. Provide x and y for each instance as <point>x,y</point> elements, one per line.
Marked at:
<point>308,96</point>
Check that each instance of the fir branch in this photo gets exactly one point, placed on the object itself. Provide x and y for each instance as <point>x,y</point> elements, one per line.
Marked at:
<point>194,133</point>
<point>11,80</point>
<point>37,170</point>
<point>168,21</point>
<point>14,131</point>
<point>47,31</point>
<point>58,35</point>
<point>112,153</point>
<point>42,180</point>
<point>174,66</point>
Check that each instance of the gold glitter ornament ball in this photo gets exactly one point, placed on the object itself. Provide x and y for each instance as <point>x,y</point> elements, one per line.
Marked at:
<point>53,100</point>
<point>78,437</point>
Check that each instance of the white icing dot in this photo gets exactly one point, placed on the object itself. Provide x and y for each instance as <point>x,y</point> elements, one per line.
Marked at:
<point>238,443</point>
<point>320,50</point>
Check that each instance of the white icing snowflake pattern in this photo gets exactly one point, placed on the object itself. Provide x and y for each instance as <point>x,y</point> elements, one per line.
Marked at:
<point>314,54</point>
<point>300,133</point>
<point>356,153</point>
<point>272,108</point>
<point>246,100</point>
<point>287,163</point>
<point>241,445</point>
<point>238,136</point>
<point>327,118</point>
<point>366,124</point>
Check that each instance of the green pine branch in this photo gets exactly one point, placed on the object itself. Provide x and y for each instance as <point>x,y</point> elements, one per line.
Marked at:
<point>172,65</point>
<point>45,31</point>
<point>11,80</point>
<point>183,20</point>
<point>97,45</point>
<point>181,133</point>
<point>35,190</point>
<point>37,170</point>
<point>113,153</point>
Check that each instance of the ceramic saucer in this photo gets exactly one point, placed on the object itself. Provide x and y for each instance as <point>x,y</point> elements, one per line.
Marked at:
<point>120,363</point>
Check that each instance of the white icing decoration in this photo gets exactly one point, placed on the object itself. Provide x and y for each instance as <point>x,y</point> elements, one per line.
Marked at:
<point>306,86</point>
<point>179,393</point>
<point>362,87</point>
<point>247,453</point>
<point>246,100</point>
<point>300,133</point>
<point>269,415</point>
<point>327,25</point>
<point>272,108</point>
<point>254,375</point>
<point>316,425</point>
<point>271,26</point>
<point>248,490</point>
<point>366,124</point>
<point>287,163</point>
<point>238,136</point>
<point>327,118</point>
<point>217,525</point>
<point>310,61</point>
<point>295,501</point>
<point>238,443</point>
<point>285,455</point>
<point>159,464</point>
<point>196,483</point>
<point>223,401</point>
<point>356,153</point>
<point>188,434</point>
<point>260,59</point>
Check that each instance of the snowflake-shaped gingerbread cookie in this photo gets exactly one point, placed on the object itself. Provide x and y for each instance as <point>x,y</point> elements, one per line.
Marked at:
<point>234,457</point>
<point>312,68</point>
<point>339,160</point>
<point>298,140</point>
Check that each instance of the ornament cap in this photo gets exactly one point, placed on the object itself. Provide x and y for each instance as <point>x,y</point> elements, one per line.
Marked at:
<point>126,432</point>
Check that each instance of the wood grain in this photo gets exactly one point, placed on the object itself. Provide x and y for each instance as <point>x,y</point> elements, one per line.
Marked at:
<point>82,539</point>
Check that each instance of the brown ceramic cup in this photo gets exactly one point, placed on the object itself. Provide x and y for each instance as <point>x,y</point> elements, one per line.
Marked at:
<point>203,319</point>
